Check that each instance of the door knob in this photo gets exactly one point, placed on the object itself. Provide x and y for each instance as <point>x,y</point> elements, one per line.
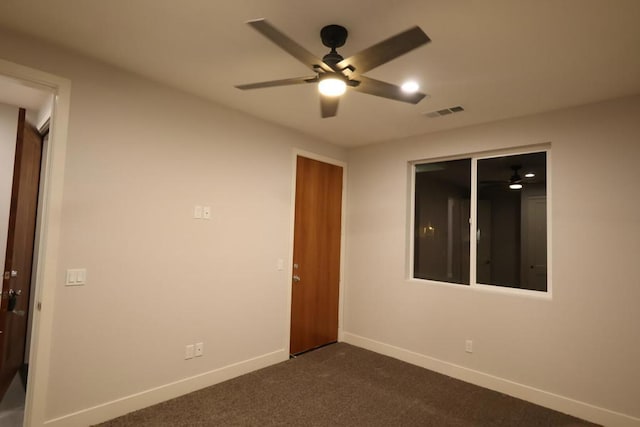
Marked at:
<point>296,278</point>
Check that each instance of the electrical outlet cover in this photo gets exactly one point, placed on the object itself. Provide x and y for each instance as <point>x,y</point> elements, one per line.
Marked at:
<point>468,346</point>
<point>199,349</point>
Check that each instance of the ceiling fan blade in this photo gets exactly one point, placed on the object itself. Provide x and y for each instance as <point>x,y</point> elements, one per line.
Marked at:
<point>329,105</point>
<point>386,90</point>
<point>283,82</point>
<point>385,51</point>
<point>289,45</point>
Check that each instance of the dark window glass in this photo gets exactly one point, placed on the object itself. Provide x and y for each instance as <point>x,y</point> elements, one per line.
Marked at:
<point>441,235</point>
<point>511,234</point>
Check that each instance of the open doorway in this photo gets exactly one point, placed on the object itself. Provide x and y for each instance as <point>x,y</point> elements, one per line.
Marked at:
<point>25,114</point>
<point>48,235</point>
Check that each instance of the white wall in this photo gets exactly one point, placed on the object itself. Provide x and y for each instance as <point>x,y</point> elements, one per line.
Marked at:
<point>584,343</point>
<point>139,157</point>
<point>8,132</point>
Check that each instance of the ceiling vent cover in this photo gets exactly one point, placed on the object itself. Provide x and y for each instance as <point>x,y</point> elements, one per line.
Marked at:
<point>445,111</point>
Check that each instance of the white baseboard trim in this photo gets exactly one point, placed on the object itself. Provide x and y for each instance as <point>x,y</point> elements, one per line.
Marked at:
<point>124,405</point>
<point>553,401</point>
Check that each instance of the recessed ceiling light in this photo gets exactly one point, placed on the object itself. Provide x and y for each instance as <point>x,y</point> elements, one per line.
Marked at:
<point>410,86</point>
<point>515,186</point>
<point>529,175</point>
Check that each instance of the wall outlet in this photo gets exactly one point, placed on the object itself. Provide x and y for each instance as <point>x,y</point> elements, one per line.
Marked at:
<point>188,352</point>
<point>199,349</point>
<point>468,346</point>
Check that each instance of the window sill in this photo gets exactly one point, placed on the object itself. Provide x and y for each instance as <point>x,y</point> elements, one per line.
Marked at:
<point>478,287</point>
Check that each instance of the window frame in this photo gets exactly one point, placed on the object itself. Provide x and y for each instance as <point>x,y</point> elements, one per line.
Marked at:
<point>473,204</point>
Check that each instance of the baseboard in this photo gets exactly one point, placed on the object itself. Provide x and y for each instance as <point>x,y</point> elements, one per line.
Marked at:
<point>118,407</point>
<point>553,401</point>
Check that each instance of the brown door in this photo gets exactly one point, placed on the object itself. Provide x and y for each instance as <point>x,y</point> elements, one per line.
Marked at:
<point>316,255</point>
<point>18,263</point>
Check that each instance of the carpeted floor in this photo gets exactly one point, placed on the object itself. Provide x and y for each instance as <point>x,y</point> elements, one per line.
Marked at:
<point>343,385</point>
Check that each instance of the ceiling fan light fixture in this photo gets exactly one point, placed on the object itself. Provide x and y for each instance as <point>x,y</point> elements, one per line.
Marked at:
<point>410,86</point>
<point>529,175</point>
<point>515,186</point>
<point>332,85</point>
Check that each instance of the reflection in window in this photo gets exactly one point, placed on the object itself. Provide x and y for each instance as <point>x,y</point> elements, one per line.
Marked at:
<point>510,225</point>
<point>512,222</point>
<point>441,235</point>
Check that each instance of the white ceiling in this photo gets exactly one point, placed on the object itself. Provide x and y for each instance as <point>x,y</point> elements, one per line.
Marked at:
<point>497,58</point>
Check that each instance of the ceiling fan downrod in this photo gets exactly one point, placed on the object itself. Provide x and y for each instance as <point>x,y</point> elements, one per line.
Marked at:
<point>333,36</point>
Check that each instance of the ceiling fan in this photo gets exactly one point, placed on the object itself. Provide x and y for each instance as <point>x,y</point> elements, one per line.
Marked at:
<point>514,182</point>
<point>334,74</point>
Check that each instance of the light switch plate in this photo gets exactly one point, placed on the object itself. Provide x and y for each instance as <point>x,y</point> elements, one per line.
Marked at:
<point>197,212</point>
<point>76,277</point>
<point>206,212</point>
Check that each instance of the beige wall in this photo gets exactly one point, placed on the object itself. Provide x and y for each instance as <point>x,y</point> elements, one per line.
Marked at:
<point>139,157</point>
<point>8,132</point>
<point>584,343</point>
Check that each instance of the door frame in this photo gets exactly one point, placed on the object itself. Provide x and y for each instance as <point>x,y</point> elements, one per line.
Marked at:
<point>46,276</point>
<point>289,287</point>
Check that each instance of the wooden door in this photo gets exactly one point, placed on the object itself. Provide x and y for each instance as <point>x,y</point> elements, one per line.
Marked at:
<point>16,281</point>
<point>316,255</point>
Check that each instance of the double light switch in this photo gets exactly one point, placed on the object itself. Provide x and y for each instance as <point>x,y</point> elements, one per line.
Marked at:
<point>76,277</point>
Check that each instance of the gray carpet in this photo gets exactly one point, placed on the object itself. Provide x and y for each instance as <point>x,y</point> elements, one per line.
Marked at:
<point>343,385</point>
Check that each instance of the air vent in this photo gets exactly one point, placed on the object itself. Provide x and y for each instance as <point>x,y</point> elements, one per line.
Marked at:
<point>445,111</point>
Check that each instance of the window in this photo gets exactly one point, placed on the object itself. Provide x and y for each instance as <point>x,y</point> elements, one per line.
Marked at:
<point>501,201</point>
<point>442,211</point>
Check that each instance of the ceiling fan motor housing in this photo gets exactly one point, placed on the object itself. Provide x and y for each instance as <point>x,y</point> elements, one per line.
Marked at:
<point>333,36</point>
<point>515,178</point>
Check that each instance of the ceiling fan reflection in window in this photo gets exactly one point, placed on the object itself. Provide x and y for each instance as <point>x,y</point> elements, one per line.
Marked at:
<point>514,182</point>
<point>334,74</point>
